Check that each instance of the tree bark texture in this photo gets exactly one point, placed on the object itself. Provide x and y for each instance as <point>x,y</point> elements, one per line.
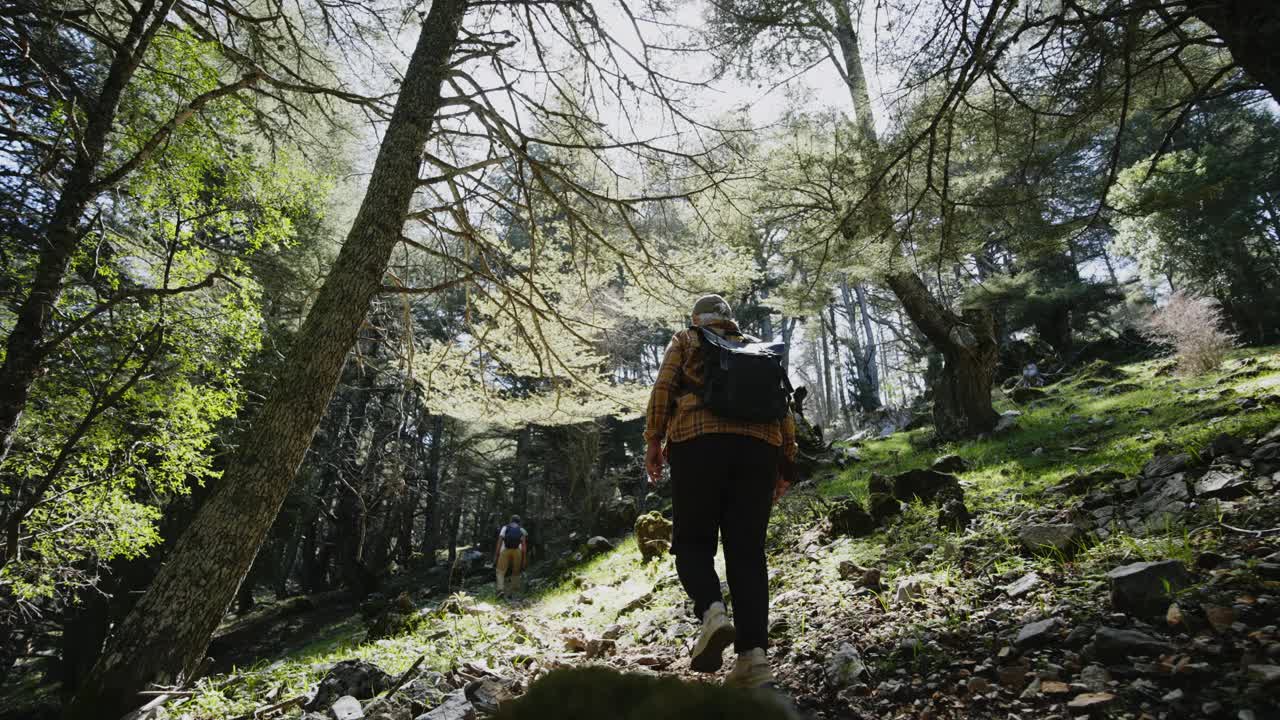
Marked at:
<point>1251,30</point>
<point>168,631</point>
<point>962,395</point>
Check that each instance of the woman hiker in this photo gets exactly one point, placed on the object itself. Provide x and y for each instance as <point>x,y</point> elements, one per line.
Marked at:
<point>725,475</point>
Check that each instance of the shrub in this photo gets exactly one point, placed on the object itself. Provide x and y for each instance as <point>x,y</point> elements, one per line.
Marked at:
<point>1193,326</point>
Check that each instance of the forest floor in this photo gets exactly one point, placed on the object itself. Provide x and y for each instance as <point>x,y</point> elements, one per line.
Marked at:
<point>1011,615</point>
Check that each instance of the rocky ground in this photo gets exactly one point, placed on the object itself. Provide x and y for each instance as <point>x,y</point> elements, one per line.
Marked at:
<point>1114,552</point>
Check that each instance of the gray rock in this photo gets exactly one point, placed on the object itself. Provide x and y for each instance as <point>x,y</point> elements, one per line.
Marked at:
<point>423,692</point>
<point>949,464</point>
<point>1268,453</point>
<point>1022,585</point>
<point>1265,674</point>
<point>883,506</point>
<point>1225,446</point>
<point>1052,539</point>
<point>1008,421</point>
<point>1162,465</point>
<point>927,485</point>
<point>455,707</point>
<point>848,518</point>
<point>1162,505</point>
<point>1146,588</point>
<point>954,516</point>
<point>598,544</point>
<point>488,695</point>
<point>357,678</point>
<point>1114,644</point>
<point>1223,484</point>
<point>909,588</point>
<point>1037,633</point>
<point>346,708</point>
<point>1095,678</point>
<point>1273,436</point>
<point>845,666</point>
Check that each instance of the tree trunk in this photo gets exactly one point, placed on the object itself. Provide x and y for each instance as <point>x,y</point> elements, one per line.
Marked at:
<point>842,388</point>
<point>863,349</point>
<point>450,581</point>
<point>429,522</point>
<point>1251,30</point>
<point>962,394</point>
<point>413,491</point>
<point>788,329</point>
<point>962,402</point>
<point>829,406</point>
<point>520,477</point>
<point>168,631</point>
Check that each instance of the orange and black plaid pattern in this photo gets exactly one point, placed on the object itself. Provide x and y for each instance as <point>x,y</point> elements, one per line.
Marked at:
<point>675,411</point>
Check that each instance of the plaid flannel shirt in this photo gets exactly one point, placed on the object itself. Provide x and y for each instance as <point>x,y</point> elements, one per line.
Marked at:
<point>675,411</point>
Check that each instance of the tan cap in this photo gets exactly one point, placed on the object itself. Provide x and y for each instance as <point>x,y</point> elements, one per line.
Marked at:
<point>712,304</point>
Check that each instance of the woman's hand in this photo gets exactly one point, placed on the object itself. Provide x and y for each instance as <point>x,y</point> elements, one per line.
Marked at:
<point>780,486</point>
<point>653,461</point>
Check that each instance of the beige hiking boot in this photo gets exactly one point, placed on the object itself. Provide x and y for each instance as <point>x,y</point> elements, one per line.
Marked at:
<point>716,635</point>
<point>751,670</point>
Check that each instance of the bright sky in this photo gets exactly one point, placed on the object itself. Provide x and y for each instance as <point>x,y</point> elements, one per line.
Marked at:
<point>818,89</point>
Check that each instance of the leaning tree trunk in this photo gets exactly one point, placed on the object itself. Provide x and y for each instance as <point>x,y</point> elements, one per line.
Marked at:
<point>168,631</point>
<point>962,395</point>
<point>1251,30</point>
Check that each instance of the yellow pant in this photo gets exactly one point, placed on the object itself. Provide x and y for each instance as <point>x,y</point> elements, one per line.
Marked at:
<point>513,560</point>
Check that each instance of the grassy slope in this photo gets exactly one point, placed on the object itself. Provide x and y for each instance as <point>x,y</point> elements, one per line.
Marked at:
<point>1008,476</point>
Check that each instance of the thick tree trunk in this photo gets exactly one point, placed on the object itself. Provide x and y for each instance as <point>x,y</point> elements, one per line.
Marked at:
<point>1251,30</point>
<point>168,631</point>
<point>962,395</point>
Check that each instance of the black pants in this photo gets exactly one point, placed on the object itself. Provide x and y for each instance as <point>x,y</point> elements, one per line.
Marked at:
<point>723,484</point>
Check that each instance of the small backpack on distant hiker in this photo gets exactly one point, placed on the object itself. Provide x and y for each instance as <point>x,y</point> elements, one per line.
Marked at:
<point>512,535</point>
<point>743,381</point>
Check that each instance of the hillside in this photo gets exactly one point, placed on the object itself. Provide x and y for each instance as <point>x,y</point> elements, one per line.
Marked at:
<point>919,613</point>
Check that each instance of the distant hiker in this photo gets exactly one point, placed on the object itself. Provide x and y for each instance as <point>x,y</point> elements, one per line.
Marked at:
<point>511,553</point>
<point>729,437</point>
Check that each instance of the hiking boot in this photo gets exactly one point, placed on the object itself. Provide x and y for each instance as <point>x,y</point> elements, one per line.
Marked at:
<point>751,670</point>
<point>717,634</point>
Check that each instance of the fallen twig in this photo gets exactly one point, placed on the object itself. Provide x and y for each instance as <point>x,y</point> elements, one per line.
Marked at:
<point>259,712</point>
<point>395,687</point>
<point>1247,531</point>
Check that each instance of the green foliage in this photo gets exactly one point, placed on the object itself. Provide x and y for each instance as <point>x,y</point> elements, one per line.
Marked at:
<point>128,416</point>
<point>1203,216</point>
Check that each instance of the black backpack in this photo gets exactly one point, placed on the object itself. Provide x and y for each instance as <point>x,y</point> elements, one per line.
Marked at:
<point>511,536</point>
<point>743,381</point>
